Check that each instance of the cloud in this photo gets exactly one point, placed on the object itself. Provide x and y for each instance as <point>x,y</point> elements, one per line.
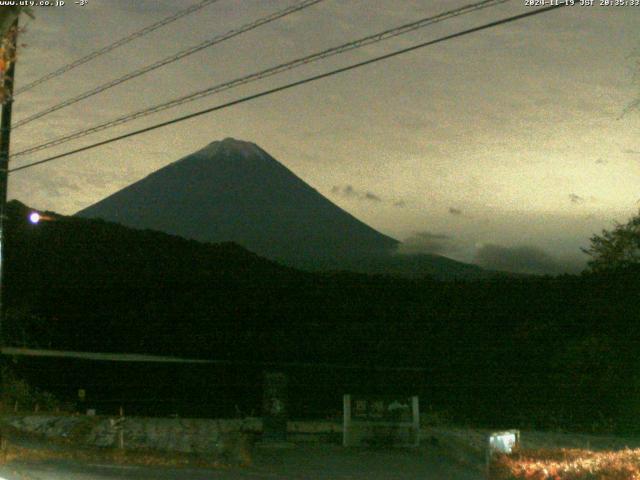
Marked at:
<point>519,259</point>
<point>346,191</point>
<point>372,196</point>
<point>455,211</point>
<point>47,186</point>
<point>349,192</point>
<point>577,199</point>
<point>426,242</point>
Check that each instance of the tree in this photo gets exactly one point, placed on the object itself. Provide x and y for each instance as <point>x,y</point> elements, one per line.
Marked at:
<point>8,32</point>
<point>616,249</point>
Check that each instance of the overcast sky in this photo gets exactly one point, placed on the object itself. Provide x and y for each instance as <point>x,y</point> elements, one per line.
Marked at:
<point>505,147</point>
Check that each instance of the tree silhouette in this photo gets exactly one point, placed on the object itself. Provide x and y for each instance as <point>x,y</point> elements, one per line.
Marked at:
<point>616,249</point>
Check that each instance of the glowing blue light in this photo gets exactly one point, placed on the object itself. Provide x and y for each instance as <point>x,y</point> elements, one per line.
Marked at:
<point>34,217</point>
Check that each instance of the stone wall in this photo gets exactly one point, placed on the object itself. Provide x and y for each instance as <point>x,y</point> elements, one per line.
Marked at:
<point>168,434</point>
<point>187,435</point>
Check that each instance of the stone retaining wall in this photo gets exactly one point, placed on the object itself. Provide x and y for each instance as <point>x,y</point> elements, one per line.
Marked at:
<point>169,434</point>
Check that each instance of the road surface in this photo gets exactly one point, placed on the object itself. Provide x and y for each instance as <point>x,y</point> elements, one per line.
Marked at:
<point>319,462</point>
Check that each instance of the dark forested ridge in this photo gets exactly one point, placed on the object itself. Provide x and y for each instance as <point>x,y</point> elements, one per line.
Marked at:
<point>534,351</point>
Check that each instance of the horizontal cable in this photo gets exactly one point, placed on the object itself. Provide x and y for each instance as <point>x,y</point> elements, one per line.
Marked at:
<point>116,44</point>
<point>362,42</point>
<point>292,85</point>
<point>165,61</point>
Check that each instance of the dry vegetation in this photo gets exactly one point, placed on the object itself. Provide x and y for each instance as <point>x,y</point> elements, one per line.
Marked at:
<point>563,455</point>
<point>7,57</point>
<point>31,447</point>
<point>28,455</point>
<point>18,396</point>
<point>567,464</point>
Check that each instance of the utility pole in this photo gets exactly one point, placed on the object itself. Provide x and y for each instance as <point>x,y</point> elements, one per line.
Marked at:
<point>5,136</point>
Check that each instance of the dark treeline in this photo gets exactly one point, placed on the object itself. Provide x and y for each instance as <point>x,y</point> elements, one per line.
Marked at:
<point>531,352</point>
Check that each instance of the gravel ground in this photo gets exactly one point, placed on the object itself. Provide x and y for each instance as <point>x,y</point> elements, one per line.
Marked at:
<point>318,462</point>
<point>446,453</point>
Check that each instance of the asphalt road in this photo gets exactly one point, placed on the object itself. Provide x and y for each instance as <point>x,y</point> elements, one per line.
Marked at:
<point>297,463</point>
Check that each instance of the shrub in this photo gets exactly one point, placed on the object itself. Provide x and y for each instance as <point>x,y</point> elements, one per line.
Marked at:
<point>17,392</point>
<point>566,464</point>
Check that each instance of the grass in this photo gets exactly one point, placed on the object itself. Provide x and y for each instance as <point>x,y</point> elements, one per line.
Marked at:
<point>467,446</point>
<point>15,453</point>
<point>566,464</point>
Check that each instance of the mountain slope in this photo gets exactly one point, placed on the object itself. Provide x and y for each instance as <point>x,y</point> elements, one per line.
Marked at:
<point>235,191</point>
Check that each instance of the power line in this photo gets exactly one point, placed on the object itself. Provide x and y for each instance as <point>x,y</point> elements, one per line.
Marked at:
<point>137,358</point>
<point>362,42</point>
<point>173,58</point>
<point>295,84</point>
<point>116,44</point>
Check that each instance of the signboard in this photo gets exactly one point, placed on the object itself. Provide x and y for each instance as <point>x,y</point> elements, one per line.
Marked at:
<point>391,419</point>
<point>382,409</point>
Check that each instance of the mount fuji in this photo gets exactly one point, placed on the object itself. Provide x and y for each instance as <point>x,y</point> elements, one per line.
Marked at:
<point>233,190</point>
